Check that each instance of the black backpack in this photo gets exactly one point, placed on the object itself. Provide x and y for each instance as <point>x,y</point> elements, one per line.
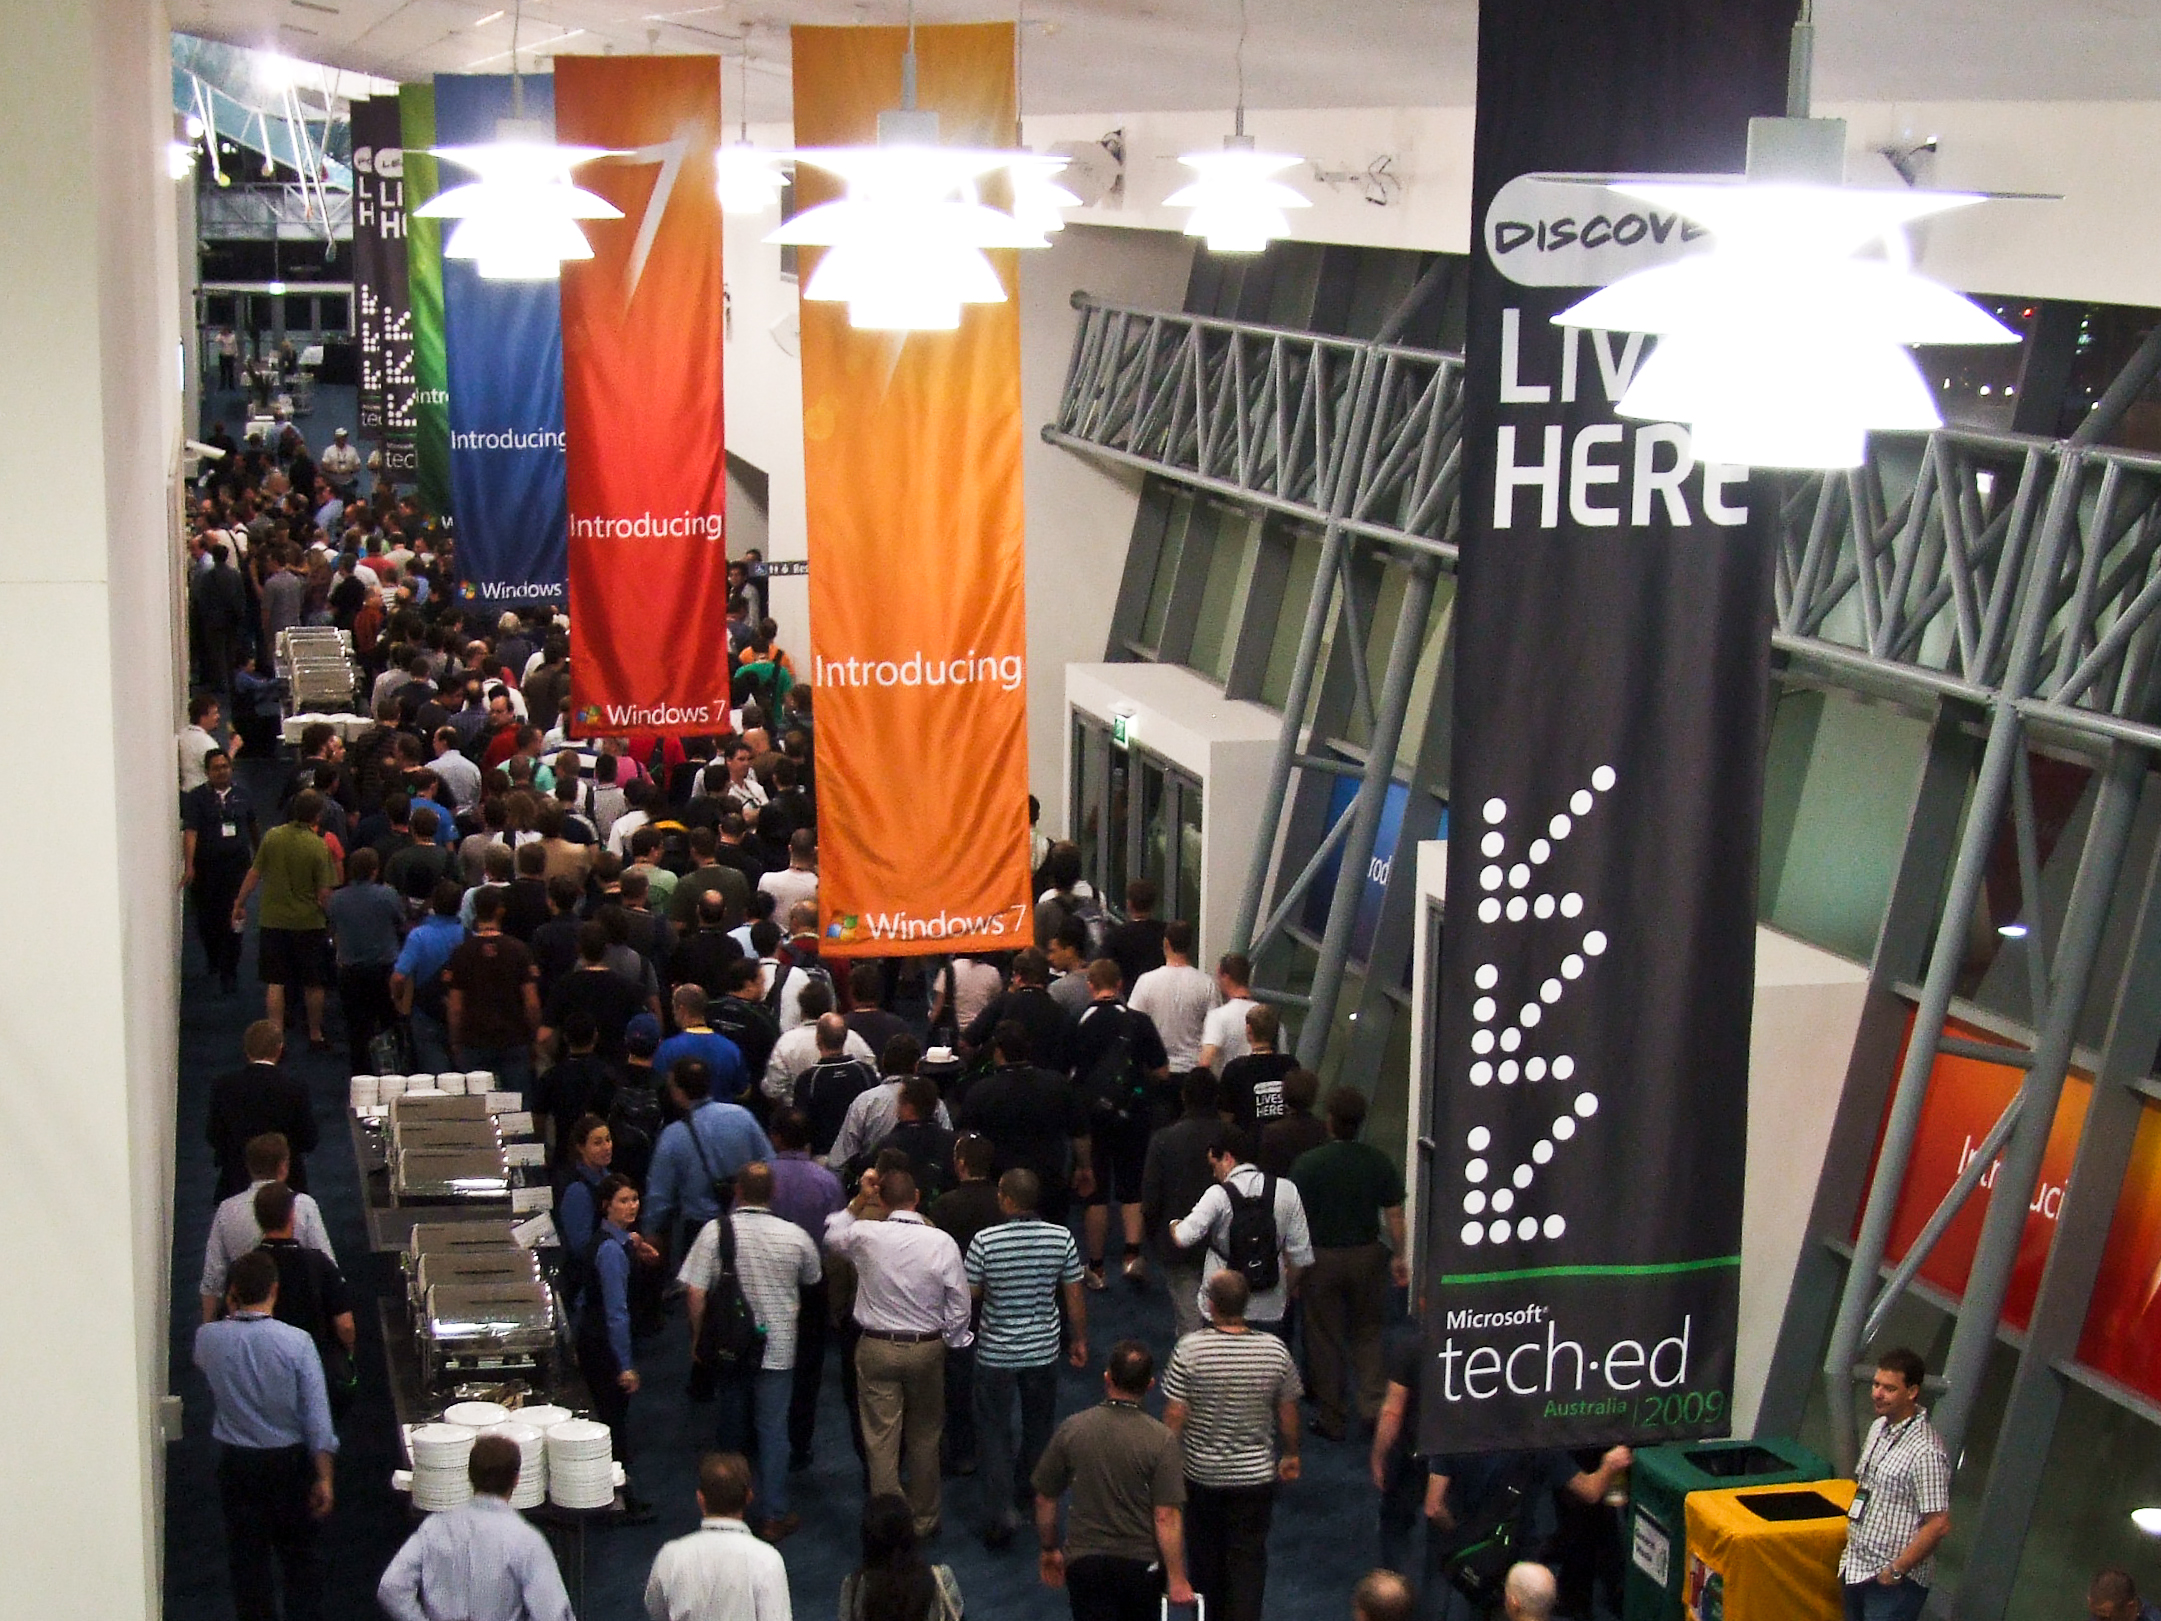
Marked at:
<point>730,1345</point>
<point>750,1027</point>
<point>1114,1087</point>
<point>825,1099</point>
<point>634,1121</point>
<point>781,976</point>
<point>1250,1244</point>
<point>1491,1545</point>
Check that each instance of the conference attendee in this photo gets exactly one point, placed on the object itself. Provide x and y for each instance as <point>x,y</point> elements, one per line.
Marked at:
<point>719,1572</point>
<point>911,1302</point>
<point>1034,1120</point>
<point>1119,1071</point>
<point>276,1446</point>
<point>218,836</point>
<point>417,987</point>
<point>294,869</point>
<point>703,955</point>
<point>199,741</point>
<point>797,882</point>
<point>1298,1131</point>
<point>312,1294</point>
<point>960,992</point>
<point>493,1003</point>
<point>590,1147</point>
<point>1123,1548</point>
<point>1020,1270</point>
<point>1251,1092</point>
<point>1239,1182</point>
<point>695,1038</point>
<point>708,875</point>
<point>868,1016</point>
<point>1177,996</point>
<point>234,1230</point>
<point>480,1561</point>
<point>260,1098</point>
<point>806,1193</point>
<point>1904,1481</point>
<point>1352,1194</point>
<point>925,1146</point>
<point>1397,1471</point>
<point>1027,1001</point>
<point>1067,955</point>
<point>775,1264</point>
<point>894,1582</point>
<point>593,992</point>
<point>606,1356</point>
<point>2113,1596</point>
<point>827,1090</point>
<point>876,1109</point>
<point>1173,1178</point>
<point>1136,945</point>
<point>1230,1395</point>
<point>453,769</point>
<point>698,1156</point>
<point>367,921</point>
<point>1383,1595</point>
<point>1529,1593</point>
<point>1223,1032</point>
<point>1474,1496</point>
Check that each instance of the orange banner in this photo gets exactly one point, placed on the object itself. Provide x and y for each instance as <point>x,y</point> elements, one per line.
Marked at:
<point>642,400</point>
<point>912,465</point>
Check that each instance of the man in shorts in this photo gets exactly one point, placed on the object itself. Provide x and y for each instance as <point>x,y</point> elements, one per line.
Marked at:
<point>296,874</point>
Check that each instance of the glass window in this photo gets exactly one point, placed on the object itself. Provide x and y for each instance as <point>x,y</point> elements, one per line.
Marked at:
<point>1230,564</point>
<point>1420,714</point>
<point>1155,826</point>
<point>1087,802</point>
<point>1189,850</point>
<point>1120,765</point>
<point>1291,617</point>
<point>1166,575</point>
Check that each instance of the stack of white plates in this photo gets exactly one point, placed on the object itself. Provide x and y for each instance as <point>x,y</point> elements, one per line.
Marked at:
<point>480,1080</point>
<point>581,1467</point>
<point>476,1415</point>
<point>366,1091</point>
<point>389,1086</point>
<point>541,1417</point>
<point>451,1083</point>
<point>440,1454</point>
<point>532,1462</point>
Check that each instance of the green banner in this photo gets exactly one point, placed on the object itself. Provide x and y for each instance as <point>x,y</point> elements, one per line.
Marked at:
<point>424,270</point>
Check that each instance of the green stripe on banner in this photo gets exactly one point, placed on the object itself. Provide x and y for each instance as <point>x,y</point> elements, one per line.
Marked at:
<point>424,278</point>
<point>1655,1270</point>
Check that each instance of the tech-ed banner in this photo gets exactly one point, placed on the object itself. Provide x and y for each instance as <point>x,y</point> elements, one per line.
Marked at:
<point>912,455</point>
<point>503,343</point>
<point>642,336</point>
<point>383,313</point>
<point>424,295</point>
<point>1613,636</point>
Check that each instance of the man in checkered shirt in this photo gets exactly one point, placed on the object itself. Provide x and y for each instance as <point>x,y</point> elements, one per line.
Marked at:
<point>1902,1505</point>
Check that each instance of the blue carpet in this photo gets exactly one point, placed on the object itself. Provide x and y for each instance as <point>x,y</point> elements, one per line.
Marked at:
<point>1324,1536</point>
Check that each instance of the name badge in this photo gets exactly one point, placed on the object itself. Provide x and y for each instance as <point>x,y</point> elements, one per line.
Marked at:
<point>1860,1505</point>
<point>228,830</point>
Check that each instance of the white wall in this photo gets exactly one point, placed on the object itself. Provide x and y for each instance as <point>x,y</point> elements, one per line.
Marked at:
<point>88,331</point>
<point>1808,1007</point>
<point>2102,241</point>
<point>1080,512</point>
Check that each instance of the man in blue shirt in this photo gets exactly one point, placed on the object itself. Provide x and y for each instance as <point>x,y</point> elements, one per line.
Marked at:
<point>276,1446</point>
<point>480,1559</point>
<point>416,983</point>
<point>710,1146</point>
<point>694,1038</point>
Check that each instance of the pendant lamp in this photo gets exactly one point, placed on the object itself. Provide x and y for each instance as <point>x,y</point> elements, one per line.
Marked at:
<point>1237,203</point>
<point>747,178</point>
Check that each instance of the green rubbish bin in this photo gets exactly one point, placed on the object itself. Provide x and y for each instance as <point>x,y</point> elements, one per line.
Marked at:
<point>1659,1485</point>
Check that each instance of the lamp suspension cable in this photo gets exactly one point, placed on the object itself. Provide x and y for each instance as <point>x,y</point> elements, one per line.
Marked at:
<point>1238,62</point>
<point>517,79</point>
<point>907,65</point>
<point>1801,61</point>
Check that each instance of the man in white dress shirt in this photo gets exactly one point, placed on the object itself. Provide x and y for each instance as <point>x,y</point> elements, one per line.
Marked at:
<point>479,1561</point>
<point>720,1572</point>
<point>911,1302</point>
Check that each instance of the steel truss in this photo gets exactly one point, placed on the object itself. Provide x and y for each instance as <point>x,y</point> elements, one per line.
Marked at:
<point>2009,584</point>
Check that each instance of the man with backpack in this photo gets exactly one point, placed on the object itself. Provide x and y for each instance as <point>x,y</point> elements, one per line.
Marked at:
<point>1254,1225</point>
<point>694,1038</point>
<point>699,1156</point>
<point>746,1278</point>
<point>827,1090</point>
<point>740,1014</point>
<point>1120,1070</point>
<point>1488,1511</point>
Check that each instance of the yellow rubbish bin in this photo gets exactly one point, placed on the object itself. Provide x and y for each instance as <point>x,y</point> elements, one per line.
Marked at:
<point>1767,1553</point>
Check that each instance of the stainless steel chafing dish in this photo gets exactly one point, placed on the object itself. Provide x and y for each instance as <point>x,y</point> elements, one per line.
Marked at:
<point>409,1111</point>
<point>468,1329</point>
<point>455,1173</point>
<point>503,1263</point>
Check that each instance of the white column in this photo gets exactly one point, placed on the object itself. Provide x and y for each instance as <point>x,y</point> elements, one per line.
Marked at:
<point>89,366</point>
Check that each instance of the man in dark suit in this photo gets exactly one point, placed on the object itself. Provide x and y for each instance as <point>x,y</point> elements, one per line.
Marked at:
<point>251,1101</point>
<point>220,610</point>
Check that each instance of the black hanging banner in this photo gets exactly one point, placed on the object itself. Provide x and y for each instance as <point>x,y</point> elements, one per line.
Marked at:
<point>1613,621</point>
<point>382,315</point>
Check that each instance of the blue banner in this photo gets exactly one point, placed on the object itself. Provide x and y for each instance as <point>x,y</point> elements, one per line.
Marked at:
<point>504,345</point>
<point>1322,891</point>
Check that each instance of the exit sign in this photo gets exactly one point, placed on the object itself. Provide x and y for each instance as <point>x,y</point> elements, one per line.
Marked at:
<point>1120,734</point>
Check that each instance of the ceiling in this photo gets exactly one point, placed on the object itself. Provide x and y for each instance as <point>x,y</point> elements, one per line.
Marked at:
<point>1162,55</point>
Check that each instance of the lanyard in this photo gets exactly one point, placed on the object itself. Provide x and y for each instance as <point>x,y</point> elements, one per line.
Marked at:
<point>1889,1437</point>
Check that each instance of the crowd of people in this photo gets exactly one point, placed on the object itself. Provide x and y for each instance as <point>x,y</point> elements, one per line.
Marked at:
<point>909,1175</point>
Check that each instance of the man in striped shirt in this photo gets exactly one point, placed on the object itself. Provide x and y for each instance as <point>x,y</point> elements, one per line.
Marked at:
<point>1228,1394</point>
<point>1017,1269</point>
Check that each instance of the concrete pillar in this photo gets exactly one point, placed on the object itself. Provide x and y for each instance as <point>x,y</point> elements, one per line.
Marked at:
<point>90,363</point>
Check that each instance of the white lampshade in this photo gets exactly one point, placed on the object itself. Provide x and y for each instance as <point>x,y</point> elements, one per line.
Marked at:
<point>1237,204</point>
<point>518,221</point>
<point>747,179</point>
<point>1779,348</point>
<point>1039,202</point>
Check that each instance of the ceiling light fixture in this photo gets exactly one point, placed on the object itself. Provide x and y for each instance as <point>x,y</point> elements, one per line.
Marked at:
<point>2147,1520</point>
<point>747,178</point>
<point>1237,203</point>
<point>518,221</point>
<point>905,245</point>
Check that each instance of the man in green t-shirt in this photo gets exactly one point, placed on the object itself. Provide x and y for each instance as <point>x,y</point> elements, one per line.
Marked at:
<point>1350,1190</point>
<point>294,870</point>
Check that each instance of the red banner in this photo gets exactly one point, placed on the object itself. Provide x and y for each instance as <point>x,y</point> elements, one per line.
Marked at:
<point>642,400</point>
<point>2122,1336</point>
